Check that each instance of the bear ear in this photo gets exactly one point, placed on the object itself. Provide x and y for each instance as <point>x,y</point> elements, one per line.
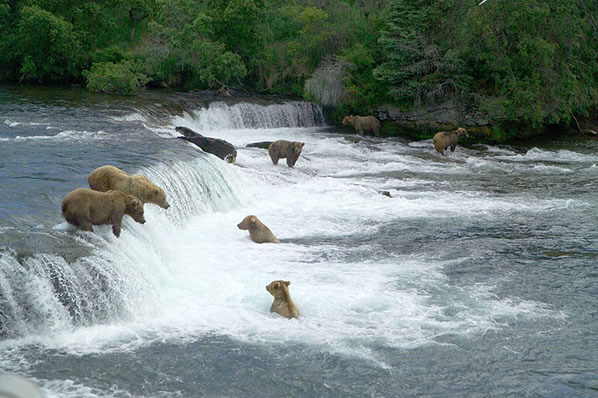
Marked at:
<point>156,191</point>
<point>286,282</point>
<point>135,201</point>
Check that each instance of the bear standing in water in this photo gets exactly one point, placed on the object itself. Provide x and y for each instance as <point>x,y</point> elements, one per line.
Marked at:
<point>285,149</point>
<point>444,139</point>
<point>109,177</point>
<point>282,305</point>
<point>363,123</point>
<point>84,208</point>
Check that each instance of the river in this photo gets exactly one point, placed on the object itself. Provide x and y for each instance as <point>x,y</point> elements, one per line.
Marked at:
<point>478,277</point>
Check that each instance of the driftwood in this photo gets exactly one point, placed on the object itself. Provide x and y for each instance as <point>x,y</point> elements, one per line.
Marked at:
<point>261,144</point>
<point>221,148</point>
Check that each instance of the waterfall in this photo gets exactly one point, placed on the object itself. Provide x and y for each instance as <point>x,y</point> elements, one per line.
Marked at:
<point>83,279</point>
<point>95,277</point>
<point>219,115</point>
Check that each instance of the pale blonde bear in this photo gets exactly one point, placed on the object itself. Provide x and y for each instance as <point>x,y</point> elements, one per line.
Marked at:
<point>282,305</point>
<point>258,232</point>
<point>106,178</point>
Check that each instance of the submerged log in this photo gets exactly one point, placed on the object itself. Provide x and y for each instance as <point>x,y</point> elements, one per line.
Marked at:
<point>221,148</point>
<point>261,144</point>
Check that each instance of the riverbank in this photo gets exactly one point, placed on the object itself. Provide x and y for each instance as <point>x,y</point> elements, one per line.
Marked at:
<point>410,125</point>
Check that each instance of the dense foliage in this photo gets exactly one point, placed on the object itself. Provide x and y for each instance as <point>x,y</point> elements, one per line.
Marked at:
<point>517,63</point>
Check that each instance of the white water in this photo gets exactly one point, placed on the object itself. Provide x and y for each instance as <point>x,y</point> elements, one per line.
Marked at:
<point>189,271</point>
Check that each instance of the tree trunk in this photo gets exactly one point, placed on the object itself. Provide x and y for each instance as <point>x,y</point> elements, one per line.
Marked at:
<point>132,21</point>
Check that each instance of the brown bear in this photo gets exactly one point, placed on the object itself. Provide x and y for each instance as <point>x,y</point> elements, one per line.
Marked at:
<point>282,305</point>
<point>363,123</point>
<point>258,232</point>
<point>444,139</point>
<point>285,149</point>
<point>84,207</point>
<point>106,178</point>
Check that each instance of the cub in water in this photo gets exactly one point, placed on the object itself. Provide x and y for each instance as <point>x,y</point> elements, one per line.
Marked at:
<point>282,305</point>
<point>258,232</point>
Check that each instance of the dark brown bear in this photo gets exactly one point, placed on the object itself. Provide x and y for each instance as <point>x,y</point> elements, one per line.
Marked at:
<point>84,207</point>
<point>285,149</point>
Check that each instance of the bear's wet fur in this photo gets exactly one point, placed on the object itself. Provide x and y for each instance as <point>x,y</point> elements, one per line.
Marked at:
<point>282,305</point>
<point>444,139</point>
<point>108,177</point>
<point>84,208</point>
<point>285,149</point>
<point>363,123</point>
<point>258,232</point>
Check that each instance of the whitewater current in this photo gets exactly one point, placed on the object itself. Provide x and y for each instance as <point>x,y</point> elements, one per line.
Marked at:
<point>476,277</point>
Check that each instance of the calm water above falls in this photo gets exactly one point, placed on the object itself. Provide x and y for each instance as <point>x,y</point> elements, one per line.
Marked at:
<point>478,277</point>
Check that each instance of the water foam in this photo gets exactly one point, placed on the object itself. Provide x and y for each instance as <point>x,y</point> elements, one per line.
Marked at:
<point>68,135</point>
<point>560,156</point>
<point>190,271</point>
<point>220,115</point>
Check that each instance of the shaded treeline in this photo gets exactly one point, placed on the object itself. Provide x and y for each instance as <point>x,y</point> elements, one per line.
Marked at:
<point>520,64</point>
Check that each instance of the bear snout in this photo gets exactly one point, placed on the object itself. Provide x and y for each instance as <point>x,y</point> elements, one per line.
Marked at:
<point>166,205</point>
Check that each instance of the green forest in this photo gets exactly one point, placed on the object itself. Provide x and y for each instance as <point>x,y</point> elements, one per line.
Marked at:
<point>518,67</point>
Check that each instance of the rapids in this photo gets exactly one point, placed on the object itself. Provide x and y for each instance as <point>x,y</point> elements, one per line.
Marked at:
<point>477,277</point>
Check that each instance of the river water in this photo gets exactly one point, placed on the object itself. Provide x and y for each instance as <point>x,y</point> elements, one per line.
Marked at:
<point>478,277</point>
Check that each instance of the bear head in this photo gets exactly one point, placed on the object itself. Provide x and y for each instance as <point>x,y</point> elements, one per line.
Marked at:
<point>348,120</point>
<point>158,196</point>
<point>460,131</point>
<point>247,223</point>
<point>297,147</point>
<point>277,288</point>
<point>135,208</point>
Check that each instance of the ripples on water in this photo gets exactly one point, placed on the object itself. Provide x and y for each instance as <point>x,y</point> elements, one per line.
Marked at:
<point>476,278</point>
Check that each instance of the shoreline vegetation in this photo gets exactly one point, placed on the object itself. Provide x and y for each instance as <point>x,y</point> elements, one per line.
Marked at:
<point>508,71</point>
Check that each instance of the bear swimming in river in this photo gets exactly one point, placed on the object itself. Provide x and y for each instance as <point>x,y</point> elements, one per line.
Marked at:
<point>282,305</point>
<point>258,232</point>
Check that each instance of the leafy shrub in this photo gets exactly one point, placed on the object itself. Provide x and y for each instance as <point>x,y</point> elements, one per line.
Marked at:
<point>48,45</point>
<point>123,78</point>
